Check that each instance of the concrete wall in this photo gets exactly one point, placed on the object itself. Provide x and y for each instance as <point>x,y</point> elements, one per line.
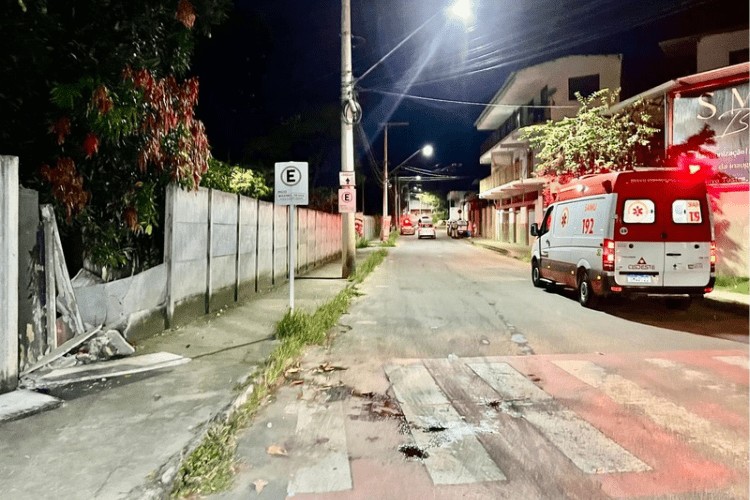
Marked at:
<point>8,273</point>
<point>221,247</point>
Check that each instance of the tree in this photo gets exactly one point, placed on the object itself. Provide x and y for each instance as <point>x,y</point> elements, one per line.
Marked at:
<point>593,142</point>
<point>103,78</point>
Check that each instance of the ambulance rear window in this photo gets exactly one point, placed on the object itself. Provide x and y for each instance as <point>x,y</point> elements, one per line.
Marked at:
<point>639,211</point>
<point>686,212</point>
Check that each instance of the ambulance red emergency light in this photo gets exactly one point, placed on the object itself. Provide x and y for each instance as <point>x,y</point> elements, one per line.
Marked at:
<point>646,232</point>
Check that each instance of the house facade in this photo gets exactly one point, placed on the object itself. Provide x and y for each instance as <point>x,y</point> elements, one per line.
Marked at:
<point>536,94</point>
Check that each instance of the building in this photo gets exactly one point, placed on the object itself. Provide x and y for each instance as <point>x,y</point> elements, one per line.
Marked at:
<point>529,96</point>
<point>716,102</point>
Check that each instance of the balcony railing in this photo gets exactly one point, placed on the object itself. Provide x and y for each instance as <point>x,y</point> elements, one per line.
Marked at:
<point>522,117</point>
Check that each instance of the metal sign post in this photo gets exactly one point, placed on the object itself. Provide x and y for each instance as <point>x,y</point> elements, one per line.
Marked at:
<point>291,189</point>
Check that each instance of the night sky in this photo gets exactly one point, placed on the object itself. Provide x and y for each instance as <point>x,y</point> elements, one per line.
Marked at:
<point>274,59</point>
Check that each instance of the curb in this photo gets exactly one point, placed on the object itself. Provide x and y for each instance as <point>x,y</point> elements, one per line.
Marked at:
<point>163,478</point>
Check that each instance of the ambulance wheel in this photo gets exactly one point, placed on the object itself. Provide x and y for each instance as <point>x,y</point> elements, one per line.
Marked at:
<point>586,295</point>
<point>536,274</point>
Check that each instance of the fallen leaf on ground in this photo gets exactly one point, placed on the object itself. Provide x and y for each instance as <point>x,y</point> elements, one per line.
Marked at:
<point>259,485</point>
<point>328,367</point>
<point>275,449</point>
<point>298,382</point>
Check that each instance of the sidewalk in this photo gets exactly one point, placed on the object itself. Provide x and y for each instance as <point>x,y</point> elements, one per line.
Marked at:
<point>522,252</point>
<point>124,438</point>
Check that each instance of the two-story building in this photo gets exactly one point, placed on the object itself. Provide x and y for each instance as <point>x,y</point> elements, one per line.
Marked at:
<point>530,96</point>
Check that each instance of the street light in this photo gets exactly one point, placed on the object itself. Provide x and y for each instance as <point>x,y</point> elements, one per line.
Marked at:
<point>427,151</point>
<point>352,113</point>
<point>462,10</point>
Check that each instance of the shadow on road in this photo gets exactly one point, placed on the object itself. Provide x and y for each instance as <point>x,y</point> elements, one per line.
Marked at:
<point>704,317</point>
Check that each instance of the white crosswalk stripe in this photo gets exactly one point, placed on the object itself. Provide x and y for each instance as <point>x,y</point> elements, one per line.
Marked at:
<point>735,360</point>
<point>589,449</point>
<point>458,458</point>
<point>662,411</point>
<point>322,428</point>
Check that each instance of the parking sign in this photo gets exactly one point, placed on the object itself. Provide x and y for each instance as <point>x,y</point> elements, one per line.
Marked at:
<point>291,186</point>
<point>347,201</point>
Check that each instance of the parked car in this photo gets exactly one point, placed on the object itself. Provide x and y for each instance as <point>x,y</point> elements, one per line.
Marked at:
<point>426,230</point>
<point>407,228</point>
<point>458,229</point>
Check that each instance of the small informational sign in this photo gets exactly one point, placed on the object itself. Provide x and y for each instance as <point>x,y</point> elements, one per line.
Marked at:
<point>347,201</point>
<point>346,179</point>
<point>291,186</point>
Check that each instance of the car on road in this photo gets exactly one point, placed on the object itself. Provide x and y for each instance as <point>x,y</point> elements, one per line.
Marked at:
<point>426,230</point>
<point>407,228</point>
<point>458,229</point>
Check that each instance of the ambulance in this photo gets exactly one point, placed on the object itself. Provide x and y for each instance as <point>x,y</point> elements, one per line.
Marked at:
<point>647,232</point>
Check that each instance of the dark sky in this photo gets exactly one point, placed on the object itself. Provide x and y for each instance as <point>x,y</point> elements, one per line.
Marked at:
<point>276,58</point>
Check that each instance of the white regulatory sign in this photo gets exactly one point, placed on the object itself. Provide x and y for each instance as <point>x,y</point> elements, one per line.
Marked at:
<point>347,201</point>
<point>346,179</point>
<point>291,183</point>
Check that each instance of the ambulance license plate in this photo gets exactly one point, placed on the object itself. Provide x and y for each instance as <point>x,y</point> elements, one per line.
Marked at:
<point>639,278</point>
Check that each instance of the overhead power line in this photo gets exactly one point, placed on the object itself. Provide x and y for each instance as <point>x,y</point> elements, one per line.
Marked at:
<point>466,103</point>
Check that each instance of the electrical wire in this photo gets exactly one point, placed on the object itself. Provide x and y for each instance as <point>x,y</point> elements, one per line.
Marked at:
<point>466,103</point>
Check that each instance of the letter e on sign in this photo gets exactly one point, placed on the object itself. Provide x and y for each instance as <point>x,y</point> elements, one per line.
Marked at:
<point>347,201</point>
<point>290,187</point>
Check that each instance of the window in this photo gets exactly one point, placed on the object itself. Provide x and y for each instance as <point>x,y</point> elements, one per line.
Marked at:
<point>638,212</point>
<point>738,56</point>
<point>686,212</point>
<point>546,222</point>
<point>586,85</point>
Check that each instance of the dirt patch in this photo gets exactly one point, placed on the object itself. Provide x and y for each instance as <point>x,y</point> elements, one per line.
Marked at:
<point>412,452</point>
<point>377,407</point>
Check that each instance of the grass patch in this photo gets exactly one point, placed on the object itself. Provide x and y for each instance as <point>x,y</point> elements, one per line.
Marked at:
<point>210,467</point>
<point>736,284</point>
<point>391,241</point>
<point>363,242</point>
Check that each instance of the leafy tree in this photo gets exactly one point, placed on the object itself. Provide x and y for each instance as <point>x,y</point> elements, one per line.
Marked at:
<point>103,79</point>
<point>235,179</point>
<point>593,142</point>
<point>436,203</point>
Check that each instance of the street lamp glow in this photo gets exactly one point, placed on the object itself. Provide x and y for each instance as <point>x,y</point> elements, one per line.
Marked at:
<point>427,150</point>
<point>419,177</point>
<point>462,10</point>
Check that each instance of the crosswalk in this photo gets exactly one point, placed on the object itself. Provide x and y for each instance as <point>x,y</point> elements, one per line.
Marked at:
<point>656,424</point>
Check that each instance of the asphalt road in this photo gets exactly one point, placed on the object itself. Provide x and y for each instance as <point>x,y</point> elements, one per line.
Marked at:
<point>458,378</point>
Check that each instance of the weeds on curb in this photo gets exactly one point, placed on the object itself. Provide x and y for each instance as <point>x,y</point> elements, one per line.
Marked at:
<point>363,242</point>
<point>210,467</point>
<point>391,241</point>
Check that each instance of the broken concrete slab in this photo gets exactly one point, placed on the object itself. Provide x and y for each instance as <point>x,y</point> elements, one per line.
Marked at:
<point>62,350</point>
<point>118,342</point>
<point>21,403</point>
<point>104,370</point>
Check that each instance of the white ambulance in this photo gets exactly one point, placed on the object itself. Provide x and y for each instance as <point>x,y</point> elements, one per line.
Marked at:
<point>647,232</point>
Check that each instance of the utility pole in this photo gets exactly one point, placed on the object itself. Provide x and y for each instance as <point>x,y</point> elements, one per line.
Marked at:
<point>384,230</point>
<point>350,109</point>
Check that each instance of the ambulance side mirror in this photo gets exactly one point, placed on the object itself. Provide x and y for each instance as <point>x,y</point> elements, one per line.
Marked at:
<point>535,229</point>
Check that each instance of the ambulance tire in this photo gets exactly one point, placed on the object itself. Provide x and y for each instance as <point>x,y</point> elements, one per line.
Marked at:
<point>536,274</point>
<point>586,295</point>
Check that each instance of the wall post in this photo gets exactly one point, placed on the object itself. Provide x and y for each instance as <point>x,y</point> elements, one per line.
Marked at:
<point>8,273</point>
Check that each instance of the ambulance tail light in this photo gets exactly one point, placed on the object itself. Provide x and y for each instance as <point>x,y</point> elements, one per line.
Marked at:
<point>608,255</point>
<point>713,256</point>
